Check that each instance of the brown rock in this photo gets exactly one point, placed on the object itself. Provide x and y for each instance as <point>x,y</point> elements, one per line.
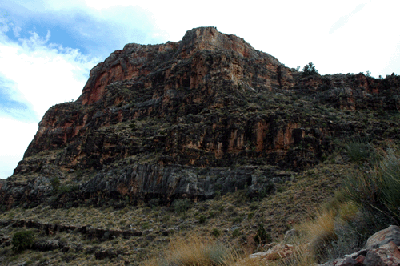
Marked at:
<point>383,237</point>
<point>373,259</point>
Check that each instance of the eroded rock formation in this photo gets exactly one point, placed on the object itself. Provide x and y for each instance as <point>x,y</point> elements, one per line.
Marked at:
<point>149,113</point>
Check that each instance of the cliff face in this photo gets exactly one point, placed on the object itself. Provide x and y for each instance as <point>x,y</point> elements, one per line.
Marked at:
<point>207,101</point>
<point>198,79</point>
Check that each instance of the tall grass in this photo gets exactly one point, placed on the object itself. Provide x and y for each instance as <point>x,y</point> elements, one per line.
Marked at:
<point>318,234</point>
<point>359,151</point>
<point>194,250</point>
<point>377,188</point>
<point>338,228</point>
<point>388,172</point>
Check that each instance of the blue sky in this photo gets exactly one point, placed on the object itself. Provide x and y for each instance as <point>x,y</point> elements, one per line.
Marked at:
<point>47,48</point>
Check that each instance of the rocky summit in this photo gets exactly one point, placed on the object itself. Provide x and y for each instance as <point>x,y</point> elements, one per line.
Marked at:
<point>192,119</point>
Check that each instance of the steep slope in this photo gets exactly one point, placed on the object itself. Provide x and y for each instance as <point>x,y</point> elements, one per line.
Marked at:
<point>189,119</point>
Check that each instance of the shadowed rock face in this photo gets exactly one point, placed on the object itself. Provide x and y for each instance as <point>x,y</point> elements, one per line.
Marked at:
<point>207,101</point>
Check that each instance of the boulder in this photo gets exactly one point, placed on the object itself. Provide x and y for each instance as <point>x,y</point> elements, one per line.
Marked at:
<point>392,233</point>
<point>381,249</point>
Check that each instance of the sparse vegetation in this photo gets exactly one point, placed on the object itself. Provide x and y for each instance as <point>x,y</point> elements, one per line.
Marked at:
<point>262,237</point>
<point>359,150</point>
<point>215,232</point>
<point>22,240</point>
<point>376,190</point>
<point>194,250</point>
<point>309,70</point>
<point>181,205</point>
<point>55,184</point>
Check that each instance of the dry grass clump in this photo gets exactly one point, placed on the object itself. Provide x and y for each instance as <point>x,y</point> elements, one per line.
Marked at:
<point>194,250</point>
<point>318,234</point>
<point>330,234</point>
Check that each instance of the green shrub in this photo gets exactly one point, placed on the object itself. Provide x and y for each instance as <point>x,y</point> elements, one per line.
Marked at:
<point>215,232</point>
<point>133,126</point>
<point>236,232</point>
<point>309,70</point>
<point>181,205</point>
<point>262,237</point>
<point>146,225</point>
<point>202,219</point>
<point>55,183</point>
<point>377,190</point>
<point>254,206</point>
<point>238,219</point>
<point>358,151</point>
<point>22,240</point>
<point>154,203</point>
<point>250,215</point>
<point>388,172</point>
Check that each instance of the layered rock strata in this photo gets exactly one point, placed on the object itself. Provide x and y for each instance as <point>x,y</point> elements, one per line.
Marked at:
<point>150,113</point>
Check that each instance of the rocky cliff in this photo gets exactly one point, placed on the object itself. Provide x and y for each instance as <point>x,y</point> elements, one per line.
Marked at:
<point>209,114</point>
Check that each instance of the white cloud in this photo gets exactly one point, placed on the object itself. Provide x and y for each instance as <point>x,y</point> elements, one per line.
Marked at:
<point>36,74</point>
<point>15,138</point>
<point>43,73</point>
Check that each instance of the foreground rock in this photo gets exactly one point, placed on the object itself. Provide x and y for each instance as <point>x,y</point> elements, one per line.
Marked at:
<point>381,249</point>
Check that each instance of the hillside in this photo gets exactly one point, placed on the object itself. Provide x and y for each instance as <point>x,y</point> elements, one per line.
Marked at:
<point>209,122</point>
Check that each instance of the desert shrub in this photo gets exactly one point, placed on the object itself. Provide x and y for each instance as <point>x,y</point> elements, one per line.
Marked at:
<point>388,172</point>
<point>133,126</point>
<point>262,237</point>
<point>236,232</point>
<point>146,225</point>
<point>238,219</point>
<point>202,219</point>
<point>254,206</point>
<point>217,253</point>
<point>348,211</point>
<point>22,240</point>
<point>309,70</point>
<point>55,183</point>
<point>362,188</point>
<point>250,215</point>
<point>181,205</point>
<point>194,250</point>
<point>154,203</point>
<point>343,225</point>
<point>351,235</point>
<point>377,190</point>
<point>66,189</point>
<point>215,232</point>
<point>359,151</point>
<point>266,190</point>
<point>320,233</point>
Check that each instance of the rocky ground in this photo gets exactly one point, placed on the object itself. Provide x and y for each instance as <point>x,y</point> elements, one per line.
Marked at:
<point>107,235</point>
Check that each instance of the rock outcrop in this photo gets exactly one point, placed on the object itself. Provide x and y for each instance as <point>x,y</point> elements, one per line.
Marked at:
<point>381,249</point>
<point>188,119</point>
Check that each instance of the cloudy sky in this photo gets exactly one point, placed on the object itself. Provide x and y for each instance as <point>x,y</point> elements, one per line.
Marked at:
<point>47,48</point>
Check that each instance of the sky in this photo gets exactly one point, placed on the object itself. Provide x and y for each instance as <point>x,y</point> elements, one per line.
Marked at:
<point>48,47</point>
